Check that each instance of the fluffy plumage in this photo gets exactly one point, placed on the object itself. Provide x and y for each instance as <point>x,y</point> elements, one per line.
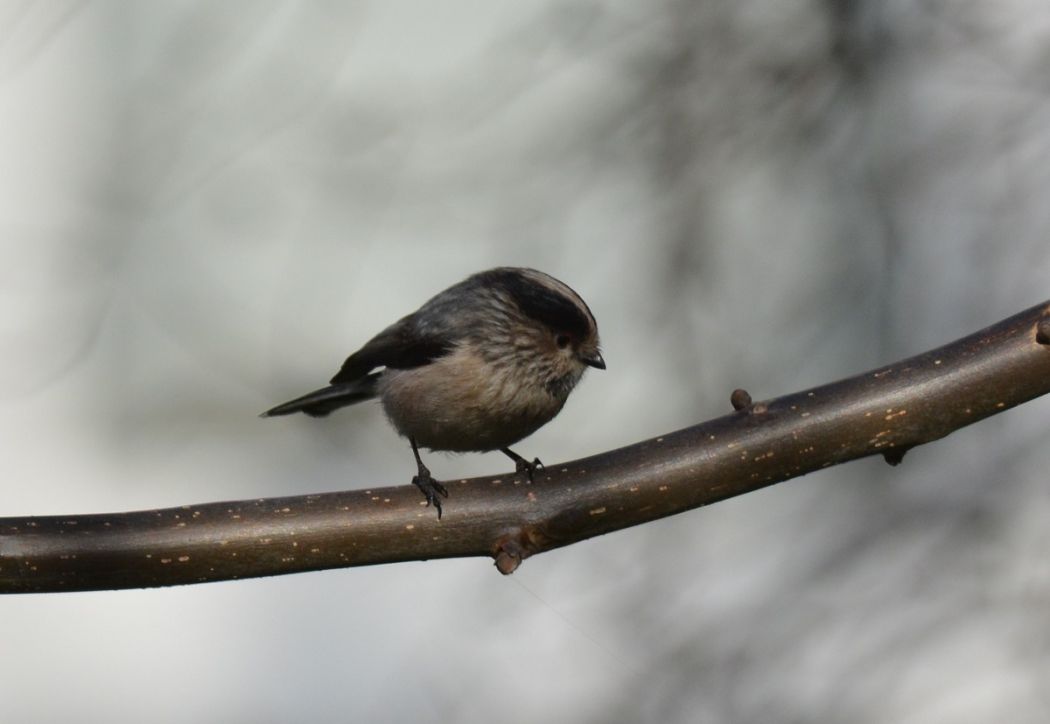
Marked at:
<point>478,367</point>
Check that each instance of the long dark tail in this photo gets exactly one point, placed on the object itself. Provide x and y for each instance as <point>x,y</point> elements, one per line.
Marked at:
<point>323,401</point>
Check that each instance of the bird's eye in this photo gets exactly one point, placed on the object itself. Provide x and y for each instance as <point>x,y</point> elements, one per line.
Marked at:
<point>562,340</point>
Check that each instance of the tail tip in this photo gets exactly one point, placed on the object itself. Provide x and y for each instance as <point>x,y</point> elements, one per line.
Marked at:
<point>276,411</point>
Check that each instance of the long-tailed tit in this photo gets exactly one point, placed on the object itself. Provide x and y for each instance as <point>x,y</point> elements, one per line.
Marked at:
<point>478,367</point>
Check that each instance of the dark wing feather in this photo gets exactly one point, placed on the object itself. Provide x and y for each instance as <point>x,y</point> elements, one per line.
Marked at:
<point>402,345</point>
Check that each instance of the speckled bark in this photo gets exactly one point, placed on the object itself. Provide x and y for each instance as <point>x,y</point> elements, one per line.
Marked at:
<point>883,412</point>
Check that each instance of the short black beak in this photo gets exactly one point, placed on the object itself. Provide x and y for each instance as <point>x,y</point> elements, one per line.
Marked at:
<point>595,360</point>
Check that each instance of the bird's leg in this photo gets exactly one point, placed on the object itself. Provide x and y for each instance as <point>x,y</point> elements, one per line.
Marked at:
<point>426,483</point>
<point>521,465</point>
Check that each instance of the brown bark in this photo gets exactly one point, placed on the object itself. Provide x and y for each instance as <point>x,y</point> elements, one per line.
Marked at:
<point>883,412</point>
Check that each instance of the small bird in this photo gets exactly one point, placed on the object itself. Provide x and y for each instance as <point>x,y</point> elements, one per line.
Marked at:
<point>478,367</point>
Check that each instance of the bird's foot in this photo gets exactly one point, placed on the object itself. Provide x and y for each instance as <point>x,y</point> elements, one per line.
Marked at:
<point>522,465</point>
<point>431,489</point>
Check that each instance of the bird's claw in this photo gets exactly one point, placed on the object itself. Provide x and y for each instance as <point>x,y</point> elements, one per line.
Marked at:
<point>524,466</point>
<point>431,489</point>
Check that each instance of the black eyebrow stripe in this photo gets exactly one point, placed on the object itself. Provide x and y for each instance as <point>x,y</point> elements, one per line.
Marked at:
<point>545,305</point>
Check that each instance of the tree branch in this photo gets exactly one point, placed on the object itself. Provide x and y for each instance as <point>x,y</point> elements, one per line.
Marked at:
<point>884,412</point>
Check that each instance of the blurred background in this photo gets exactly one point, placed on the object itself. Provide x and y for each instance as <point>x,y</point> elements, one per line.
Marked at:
<point>205,206</point>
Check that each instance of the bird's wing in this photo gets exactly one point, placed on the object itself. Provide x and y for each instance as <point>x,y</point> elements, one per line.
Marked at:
<point>403,345</point>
